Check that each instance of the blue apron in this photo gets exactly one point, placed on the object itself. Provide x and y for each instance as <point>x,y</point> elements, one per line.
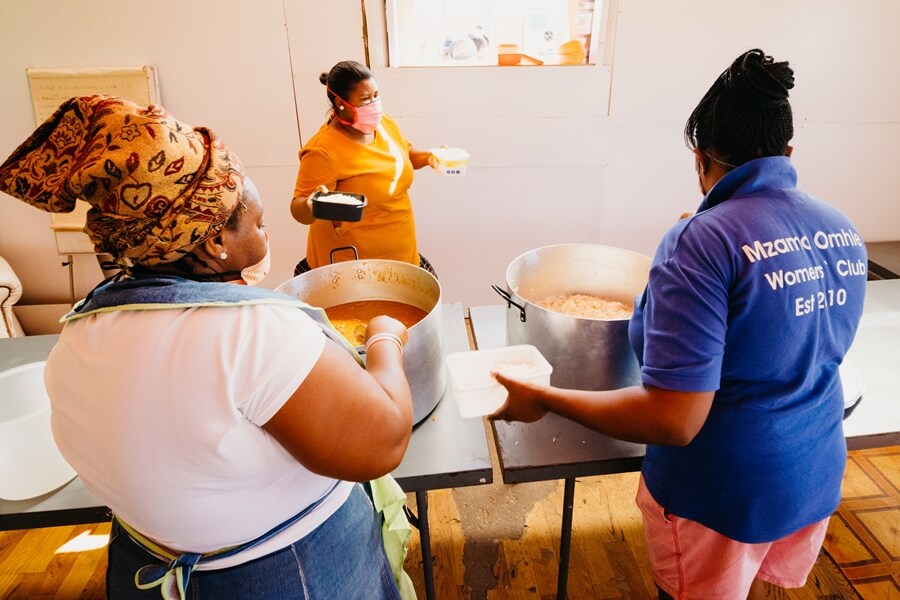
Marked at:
<point>159,292</point>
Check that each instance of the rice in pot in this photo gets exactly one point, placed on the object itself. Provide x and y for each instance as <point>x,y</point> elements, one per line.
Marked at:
<point>587,306</point>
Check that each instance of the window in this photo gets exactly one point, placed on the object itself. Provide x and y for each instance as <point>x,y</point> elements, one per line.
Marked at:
<point>491,32</point>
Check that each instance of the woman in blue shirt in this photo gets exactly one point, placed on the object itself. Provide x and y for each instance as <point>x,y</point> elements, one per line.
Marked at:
<point>750,306</point>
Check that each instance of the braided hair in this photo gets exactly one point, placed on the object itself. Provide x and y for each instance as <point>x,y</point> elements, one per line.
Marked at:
<point>746,113</point>
<point>342,78</point>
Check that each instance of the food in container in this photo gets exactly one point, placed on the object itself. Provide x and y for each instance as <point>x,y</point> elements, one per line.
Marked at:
<point>338,206</point>
<point>587,306</point>
<point>586,354</point>
<point>476,391</point>
<point>351,318</point>
<point>450,161</point>
<point>356,280</point>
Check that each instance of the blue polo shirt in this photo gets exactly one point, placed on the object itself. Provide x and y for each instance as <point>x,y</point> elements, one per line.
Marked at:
<point>756,297</point>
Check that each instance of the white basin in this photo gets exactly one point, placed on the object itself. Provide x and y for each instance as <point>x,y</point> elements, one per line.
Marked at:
<point>30,463</point>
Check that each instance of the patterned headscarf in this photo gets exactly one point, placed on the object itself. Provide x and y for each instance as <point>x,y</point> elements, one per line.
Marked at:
<point>157,187</point>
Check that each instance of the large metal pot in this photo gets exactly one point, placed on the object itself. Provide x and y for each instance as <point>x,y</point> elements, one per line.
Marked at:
<point>356,280</point>
<point>586,354</point>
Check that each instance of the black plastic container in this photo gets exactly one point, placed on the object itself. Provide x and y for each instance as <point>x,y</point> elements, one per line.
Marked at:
<point>322,208</point>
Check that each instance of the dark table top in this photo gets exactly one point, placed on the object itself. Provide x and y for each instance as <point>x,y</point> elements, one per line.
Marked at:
<point>444,451</point>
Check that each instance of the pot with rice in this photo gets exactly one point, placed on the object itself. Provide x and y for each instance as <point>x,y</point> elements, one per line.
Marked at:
<point>573,302</point>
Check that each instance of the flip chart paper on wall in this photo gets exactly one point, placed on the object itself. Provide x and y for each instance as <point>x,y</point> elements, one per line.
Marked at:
<point>52,87</point>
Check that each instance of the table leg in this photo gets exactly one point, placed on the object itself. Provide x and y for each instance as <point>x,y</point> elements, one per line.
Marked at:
<point>425,543</point>
<point>565,539</point>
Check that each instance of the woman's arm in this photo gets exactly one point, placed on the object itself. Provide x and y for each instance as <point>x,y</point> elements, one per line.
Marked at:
<point>646,415</point>
<point>421,158</point>
<point>347,422</point>
<point>316,174</point>
<point>301,207</point>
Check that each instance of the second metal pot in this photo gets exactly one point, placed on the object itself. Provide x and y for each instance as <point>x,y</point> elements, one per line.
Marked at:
<point>586,354</point>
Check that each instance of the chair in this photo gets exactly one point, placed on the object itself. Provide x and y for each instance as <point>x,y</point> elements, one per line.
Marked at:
<point>10,292</point>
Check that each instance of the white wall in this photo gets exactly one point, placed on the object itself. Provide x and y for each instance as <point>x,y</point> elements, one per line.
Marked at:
<point>846,101</point>
<point>555,176</point>
<point>548,165</point>
<point>223,64</point>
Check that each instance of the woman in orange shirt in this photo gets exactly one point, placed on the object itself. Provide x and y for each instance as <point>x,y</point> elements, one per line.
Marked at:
<point>358,150</point>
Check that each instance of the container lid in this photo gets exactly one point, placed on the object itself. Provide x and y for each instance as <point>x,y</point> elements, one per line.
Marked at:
<point>475,390</point>
<point>450,153</point>
<point>472,370</point>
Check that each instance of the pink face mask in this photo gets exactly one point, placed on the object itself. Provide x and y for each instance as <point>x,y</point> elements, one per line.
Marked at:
<point>253,274</point>
<point>365,118</point>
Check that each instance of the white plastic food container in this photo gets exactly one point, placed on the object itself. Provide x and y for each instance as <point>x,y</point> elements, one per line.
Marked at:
<point>476,392</point>
<point>450,161</point>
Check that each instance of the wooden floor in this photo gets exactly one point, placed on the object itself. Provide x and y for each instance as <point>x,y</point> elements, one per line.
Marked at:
<point>608,557</point>
<point>864,534</point>
<point>501,542</point>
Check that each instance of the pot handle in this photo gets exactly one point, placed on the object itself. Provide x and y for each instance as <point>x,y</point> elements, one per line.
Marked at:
<point>509,301</point>
<point>338,249</point>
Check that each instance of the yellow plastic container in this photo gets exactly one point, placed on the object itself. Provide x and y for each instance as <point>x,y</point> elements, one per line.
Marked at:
<point>450,161</point>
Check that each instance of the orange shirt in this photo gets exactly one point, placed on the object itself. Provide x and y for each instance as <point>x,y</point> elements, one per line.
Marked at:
<point>381,171</point>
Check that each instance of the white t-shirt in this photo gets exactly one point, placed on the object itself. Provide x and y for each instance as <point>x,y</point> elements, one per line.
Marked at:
<point>160,413</point>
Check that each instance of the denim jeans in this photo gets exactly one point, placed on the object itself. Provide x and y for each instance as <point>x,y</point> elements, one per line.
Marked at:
<point>343,558</point>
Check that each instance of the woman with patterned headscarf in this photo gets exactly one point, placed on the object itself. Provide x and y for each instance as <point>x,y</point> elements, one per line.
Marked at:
<point>221,423</point>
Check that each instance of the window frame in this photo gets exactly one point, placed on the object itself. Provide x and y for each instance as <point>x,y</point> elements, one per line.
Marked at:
<point>550,91</point>
<point>380,21</point>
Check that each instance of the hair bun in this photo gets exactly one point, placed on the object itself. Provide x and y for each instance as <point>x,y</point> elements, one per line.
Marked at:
<point>323,78</point>
<point>758,79</point>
